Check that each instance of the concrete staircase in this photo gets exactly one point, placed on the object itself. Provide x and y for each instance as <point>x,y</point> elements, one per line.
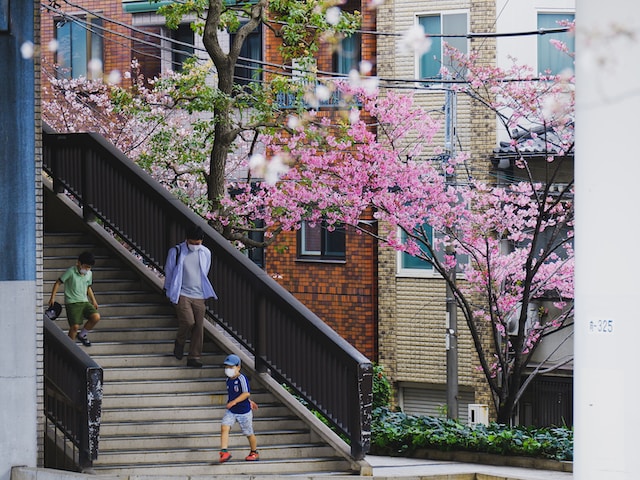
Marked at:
<point>160,417</point>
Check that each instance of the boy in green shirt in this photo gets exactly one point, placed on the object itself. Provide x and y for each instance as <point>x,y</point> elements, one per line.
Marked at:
<point>79,300</point>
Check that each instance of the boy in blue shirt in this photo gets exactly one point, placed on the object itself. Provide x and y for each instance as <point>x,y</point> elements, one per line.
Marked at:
<point>239,408</point>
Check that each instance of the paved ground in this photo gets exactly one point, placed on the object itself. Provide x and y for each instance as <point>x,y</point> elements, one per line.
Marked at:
<point>419,468</point>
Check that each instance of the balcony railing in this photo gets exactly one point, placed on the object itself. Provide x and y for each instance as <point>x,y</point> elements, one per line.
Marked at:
<point>309,98</point>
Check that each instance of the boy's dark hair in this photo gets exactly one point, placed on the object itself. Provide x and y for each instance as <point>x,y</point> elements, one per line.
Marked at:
<point>195,233</point>
<point>86,258</point>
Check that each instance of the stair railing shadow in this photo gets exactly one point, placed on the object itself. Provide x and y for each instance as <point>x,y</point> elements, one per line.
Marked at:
<point>287,340</point>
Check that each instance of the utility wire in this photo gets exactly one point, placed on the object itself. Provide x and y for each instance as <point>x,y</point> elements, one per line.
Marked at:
<point>542,31</point>
<point>281,69</point>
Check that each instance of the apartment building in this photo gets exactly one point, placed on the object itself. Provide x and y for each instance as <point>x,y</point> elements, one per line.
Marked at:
<point>412,304</point>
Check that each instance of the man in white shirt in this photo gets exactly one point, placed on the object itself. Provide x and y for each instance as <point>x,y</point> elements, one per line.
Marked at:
<point>187,286</point>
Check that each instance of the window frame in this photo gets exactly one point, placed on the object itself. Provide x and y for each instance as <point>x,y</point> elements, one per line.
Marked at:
<point>181,53</point>
<point>253,67</point>
<point>91,42</point>
<point>322,255</point>
<point>339,59</point>
<point>428,271</point>
<point>545,40</point>
<point>439,41</point>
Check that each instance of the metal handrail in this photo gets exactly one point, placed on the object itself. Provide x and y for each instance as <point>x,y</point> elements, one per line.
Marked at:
<point>286,338</point>
<point>73,395</point>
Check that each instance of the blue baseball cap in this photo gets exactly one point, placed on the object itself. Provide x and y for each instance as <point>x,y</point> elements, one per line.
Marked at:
<point>232,360</point>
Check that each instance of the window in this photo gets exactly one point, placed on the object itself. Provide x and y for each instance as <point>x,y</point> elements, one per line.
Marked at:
<point>549,57</point>
<point>248,71</point>
<point>79,42</point>
<point>442,24</point>
<point>319,242</point>
<point>184,49</point>
<point>410,266</point>
<point>347,55</point>
<point>256,254</point>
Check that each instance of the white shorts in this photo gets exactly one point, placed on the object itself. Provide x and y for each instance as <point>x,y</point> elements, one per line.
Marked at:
<point>244,419</point>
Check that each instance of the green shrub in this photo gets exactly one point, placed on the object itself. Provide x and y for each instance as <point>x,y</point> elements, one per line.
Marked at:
<point>396,433</point>
<point>381,388</point>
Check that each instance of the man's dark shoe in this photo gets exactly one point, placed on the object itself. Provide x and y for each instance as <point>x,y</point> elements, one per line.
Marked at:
<point>192,362</point>
<point>178,350</point>
<point>84,340</point>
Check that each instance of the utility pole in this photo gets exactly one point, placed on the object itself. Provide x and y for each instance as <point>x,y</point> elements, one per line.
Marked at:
<point>451,335</point>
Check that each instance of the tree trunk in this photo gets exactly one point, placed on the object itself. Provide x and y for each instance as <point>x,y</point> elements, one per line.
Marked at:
<point>505,411</point>
<point>218,159</point>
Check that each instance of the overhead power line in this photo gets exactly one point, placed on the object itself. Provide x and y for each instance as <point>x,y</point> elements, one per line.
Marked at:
<point>266,67</point>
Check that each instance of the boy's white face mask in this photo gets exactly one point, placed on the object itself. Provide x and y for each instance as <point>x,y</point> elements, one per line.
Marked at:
<point>230,372</point>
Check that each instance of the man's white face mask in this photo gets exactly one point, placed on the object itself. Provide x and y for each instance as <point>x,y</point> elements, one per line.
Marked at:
<point>193,248</point>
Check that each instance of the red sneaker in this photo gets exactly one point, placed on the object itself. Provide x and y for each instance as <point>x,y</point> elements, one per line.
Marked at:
<point>252,457</point>
<point>224,456</point>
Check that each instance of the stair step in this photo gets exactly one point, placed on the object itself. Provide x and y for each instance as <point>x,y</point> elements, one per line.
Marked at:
<point>154,442</point>
<point>236,466</point>
<point>105,275</point>
<point>139,322</point>
<point>207,373</point>
<point>160,359</point>
<point>212,411</point>
<point>102,333</point>
<point>118,348</point>
<point>209,454</point>
<point>125,322</point>
<point>160,426</point>
<point>178,386</point>
<point>143,399</point>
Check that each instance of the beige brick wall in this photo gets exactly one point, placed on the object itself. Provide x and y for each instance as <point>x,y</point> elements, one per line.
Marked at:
<point>412,310</point>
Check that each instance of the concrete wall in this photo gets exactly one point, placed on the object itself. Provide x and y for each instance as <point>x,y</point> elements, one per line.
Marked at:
<point>607,327</point>
<point>18,220</point>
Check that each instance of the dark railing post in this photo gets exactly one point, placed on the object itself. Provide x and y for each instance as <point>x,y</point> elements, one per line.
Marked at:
<point>261,334</point>
<point>361,424</point>
<point>58,186</point>
<point>87,191</point>
<point>94,414</point>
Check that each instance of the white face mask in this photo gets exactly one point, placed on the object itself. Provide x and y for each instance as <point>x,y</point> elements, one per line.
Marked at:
<point>83,271</point>
<point>193,248</point>
<point>230,372</point>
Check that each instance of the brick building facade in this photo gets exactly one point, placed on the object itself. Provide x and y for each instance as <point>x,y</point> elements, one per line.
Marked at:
<point>342,292</point>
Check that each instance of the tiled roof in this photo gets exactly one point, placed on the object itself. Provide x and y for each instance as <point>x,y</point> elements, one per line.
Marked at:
<point>532,142</point>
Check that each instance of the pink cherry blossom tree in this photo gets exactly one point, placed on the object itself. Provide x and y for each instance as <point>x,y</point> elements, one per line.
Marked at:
<point>511,244</point>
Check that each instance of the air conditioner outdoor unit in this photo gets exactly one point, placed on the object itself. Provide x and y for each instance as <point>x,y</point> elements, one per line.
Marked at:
<point>478,414</point>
